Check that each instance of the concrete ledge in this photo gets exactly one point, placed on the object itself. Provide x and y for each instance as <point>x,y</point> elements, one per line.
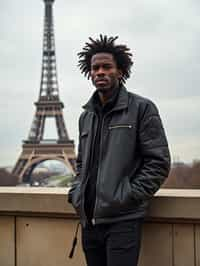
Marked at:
<point>37,227</point>
<point>29,201</point>
<point>166,204</point>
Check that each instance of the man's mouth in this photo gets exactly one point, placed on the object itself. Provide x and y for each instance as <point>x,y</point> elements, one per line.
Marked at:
<point>101,81</point>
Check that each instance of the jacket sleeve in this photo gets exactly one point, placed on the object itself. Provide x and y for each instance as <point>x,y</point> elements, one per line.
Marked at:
<point>153,148</point>
<point>77,178</point>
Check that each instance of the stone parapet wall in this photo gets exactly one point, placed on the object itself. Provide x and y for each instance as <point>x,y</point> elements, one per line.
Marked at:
<point>37,227</point>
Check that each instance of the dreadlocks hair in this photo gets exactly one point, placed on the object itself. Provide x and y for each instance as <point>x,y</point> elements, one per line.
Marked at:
<point>106,44</point>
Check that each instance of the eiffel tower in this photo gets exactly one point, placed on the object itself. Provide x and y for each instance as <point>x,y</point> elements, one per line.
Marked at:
<point>36,149</point>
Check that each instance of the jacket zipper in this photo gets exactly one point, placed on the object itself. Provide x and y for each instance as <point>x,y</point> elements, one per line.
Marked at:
<point>120,126</point>
<point>98,172</point>
<point>93,219</point>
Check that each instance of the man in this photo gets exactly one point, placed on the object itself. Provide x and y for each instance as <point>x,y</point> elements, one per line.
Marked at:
<point>123,158</point>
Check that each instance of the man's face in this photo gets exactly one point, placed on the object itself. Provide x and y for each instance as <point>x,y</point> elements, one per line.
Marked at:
<point>104,72</point>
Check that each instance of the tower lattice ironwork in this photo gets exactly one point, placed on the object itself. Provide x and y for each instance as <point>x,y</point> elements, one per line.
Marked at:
<point>36,149</point>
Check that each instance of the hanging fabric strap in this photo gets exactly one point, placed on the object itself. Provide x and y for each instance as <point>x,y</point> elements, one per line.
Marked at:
<point>74,241</point>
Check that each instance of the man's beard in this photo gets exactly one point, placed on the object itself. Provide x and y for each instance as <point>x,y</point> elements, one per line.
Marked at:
<point>105,90</point>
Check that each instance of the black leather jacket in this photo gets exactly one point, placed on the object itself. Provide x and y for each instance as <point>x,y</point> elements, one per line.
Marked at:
<point>134,159</point>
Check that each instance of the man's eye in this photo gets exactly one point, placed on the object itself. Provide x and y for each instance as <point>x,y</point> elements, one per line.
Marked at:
<point>107,66</point>
<point>95,67</point>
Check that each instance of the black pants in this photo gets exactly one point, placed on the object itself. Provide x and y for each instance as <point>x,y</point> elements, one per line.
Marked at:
<point>115,244</point>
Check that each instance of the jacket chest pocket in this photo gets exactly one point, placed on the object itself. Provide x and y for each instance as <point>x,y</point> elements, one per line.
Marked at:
<point>84,140</point>
<point>122,134</point>
<point>120,126</point>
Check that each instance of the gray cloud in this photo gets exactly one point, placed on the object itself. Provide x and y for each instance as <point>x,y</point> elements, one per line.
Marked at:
<point>164,38</point>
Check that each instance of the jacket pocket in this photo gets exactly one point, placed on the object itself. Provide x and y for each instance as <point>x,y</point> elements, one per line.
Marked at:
<point>125,196</point>
<point>123,193</point>
<point>84,141</point>
<point>122,135</point>
<point>118,126</point>
<point>84,134</point>
<point>117,200</point>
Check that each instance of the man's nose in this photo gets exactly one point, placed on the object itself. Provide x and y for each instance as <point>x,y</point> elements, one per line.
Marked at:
<point>100,71</point>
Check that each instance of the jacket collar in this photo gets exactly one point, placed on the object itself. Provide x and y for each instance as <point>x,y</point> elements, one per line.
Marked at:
<point>121,103</point>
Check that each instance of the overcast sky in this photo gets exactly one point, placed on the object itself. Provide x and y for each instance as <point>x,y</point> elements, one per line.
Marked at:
<point>163,35</point>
